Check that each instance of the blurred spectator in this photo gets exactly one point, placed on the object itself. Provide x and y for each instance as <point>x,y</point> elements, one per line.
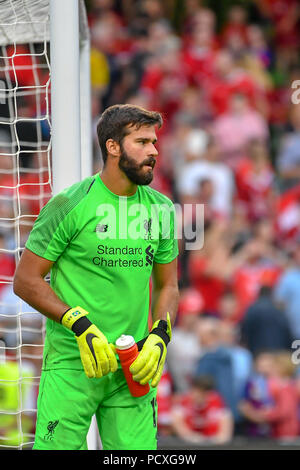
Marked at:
<point>7,265</point>
<point>209,167</point>
<point>165,79</point>
<point>287,292</point>
<point>264,326</point>
<point>201,416</point>
<point>258,46</point>
<point>287,223</point>
<point>100,8</point>
<point>288,160</point>
<point>236,24</point>
<point>153,10</point>
<point>164,403</point>
<point>257,266</point>
<point>257,394</point>
<point>100,71</point>
<point>200,47</point>
<point>284,15</point>
<point>231,78</point>
<point>227,307</point>
<point>216,361</point>
<point>207,267</point>
<point>255,181</point>
<point>241,359</point>
<point>191,145</point>
<point>226,263</point>
<point>140,53</point>
<point>282,414</point>
<point>185,343</point>
<point>235,128</point>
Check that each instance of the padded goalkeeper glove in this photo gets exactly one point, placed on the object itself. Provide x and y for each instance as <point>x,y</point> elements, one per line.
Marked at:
<point>97,356</point>
<point>150,362</point>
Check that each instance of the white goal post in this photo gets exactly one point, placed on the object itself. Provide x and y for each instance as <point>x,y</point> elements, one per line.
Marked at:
<point>45,60</point>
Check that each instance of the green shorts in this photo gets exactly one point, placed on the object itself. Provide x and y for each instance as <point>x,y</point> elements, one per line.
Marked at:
<point>68,399</point>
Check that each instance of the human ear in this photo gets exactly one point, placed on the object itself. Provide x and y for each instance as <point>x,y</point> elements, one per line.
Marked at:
<point>113,148</point>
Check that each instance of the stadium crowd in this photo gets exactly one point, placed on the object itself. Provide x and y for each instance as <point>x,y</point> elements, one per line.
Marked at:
<point>221,73</point>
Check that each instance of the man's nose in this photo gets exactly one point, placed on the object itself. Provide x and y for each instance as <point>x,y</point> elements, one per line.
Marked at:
<point>153,151</point>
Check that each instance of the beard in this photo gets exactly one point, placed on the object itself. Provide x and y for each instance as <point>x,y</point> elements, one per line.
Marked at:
<point>134,171</point>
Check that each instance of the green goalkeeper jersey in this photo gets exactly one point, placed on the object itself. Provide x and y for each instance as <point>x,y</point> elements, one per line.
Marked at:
<point>103,247</point>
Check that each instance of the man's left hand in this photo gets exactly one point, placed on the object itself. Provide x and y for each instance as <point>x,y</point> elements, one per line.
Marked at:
<point>149,364</point>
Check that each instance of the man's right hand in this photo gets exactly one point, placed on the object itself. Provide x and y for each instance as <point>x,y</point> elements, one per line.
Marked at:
<point>97,355</point>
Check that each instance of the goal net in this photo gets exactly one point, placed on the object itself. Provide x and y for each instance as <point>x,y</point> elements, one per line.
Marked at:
<point>25,186</point>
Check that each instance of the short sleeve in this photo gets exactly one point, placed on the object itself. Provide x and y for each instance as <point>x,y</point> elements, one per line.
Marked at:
<point>168,243</point>
<point>53,229</point>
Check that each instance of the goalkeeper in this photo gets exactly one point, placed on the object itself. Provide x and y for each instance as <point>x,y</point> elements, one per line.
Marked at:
<point>101,256</point>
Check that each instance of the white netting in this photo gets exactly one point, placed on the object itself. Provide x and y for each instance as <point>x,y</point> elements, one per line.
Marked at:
<point>25,186</point>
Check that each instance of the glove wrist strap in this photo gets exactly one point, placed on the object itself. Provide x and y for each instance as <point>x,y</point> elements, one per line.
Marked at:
<point>75,319</point>
<point>161,331</point>
<point>81,325</point>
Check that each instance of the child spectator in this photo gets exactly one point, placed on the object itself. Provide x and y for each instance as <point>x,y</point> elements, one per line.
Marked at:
<point>257,394</point>
<point>200,415</point>
<point>282,415</point>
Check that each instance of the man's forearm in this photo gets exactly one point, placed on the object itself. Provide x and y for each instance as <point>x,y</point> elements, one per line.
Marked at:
<point>37,293</point>
<point>165,300</point>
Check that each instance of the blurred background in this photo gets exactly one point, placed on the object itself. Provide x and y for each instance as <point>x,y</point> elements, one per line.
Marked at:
<point>224,76</point>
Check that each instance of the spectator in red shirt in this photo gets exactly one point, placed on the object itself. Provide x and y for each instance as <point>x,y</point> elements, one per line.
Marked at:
<point>284,15</point>
<point>236,24</point>
<point>255,181</point>
<point>230,76</point>
<point>199,53</point>
<point>200,416</point>
<point>287,224</point>
<point>258,267</point>
<point>35,189</point>
<point>7,265</point>
<point>207,267</point>
<point>165,79</point>
<point>164,403</point>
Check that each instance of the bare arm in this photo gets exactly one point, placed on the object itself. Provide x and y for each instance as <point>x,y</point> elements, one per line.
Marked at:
<point>165,292</point>
<point>182,430</point>
<point>225,431</point>
<point>30,285</point>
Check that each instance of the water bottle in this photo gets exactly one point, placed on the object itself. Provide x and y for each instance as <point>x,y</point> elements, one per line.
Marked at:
<point>127,351</point>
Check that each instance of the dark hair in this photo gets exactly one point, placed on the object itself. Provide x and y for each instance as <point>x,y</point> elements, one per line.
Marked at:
<point>203,382</point>
<point>115,121</point>
<point>265,290</point>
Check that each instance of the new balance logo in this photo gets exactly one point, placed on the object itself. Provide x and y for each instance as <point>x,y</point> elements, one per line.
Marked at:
<point>149,255</point>
<point>101,228</point>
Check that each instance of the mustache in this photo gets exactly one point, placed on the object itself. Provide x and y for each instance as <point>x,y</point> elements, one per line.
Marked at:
<point>150,161</point>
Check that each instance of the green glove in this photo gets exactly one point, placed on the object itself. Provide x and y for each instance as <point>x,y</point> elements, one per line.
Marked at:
<point>97,356</point>
<point>150,362</point>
